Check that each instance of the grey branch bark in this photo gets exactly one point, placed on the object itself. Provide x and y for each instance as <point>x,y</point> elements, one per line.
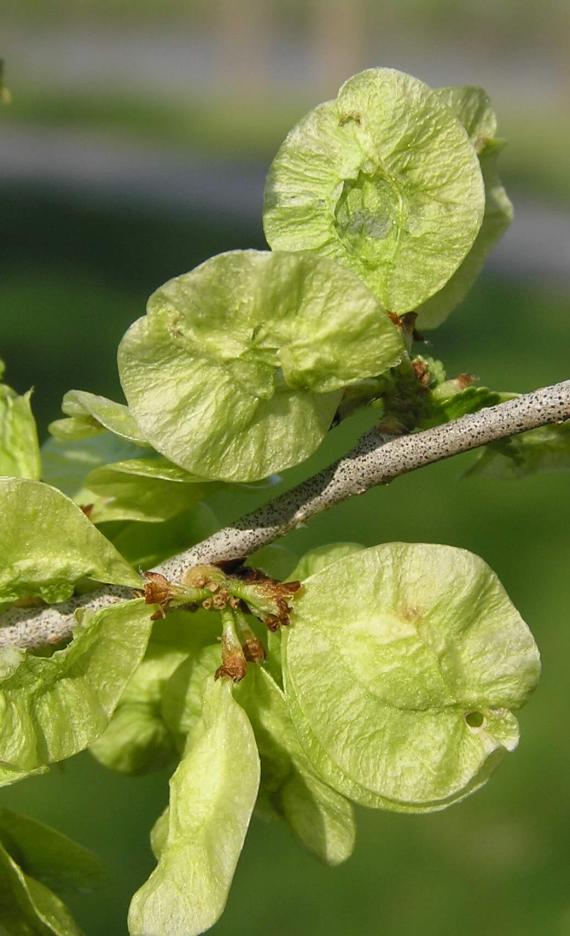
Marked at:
<point>375,460</point>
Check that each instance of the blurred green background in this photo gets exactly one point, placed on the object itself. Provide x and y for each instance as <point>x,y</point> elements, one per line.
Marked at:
<point>135,147</point>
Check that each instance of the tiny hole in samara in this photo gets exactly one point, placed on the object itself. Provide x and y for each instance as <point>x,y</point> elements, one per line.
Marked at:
<point>474,719</point>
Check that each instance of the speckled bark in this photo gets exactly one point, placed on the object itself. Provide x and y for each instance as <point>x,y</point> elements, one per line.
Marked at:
<point>375,460</point>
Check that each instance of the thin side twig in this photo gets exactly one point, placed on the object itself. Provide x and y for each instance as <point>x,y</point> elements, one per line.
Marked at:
<point>375,460</point>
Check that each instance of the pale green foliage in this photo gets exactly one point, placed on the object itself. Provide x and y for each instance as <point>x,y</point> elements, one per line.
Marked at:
<point>276,561</point>
<point>139,738</point>
<point>212,795</point>
<point>181,702</point>
<point>396,683</point>
<point>159,834</point>
<point>320,818</point>
<point>53,707</point>
<point>544,449</point>
<point>322,556</point>
<point>19,449</point>
<point>383,179</point>
<point>47,544</point>
<point>67,462</point>
<point>450,400</point>
<point>89,414</point>
<point>145,489</point>
<point>235,371</point>
<point>120,481</point>
<point>53,913</point>
<point>394,655</point>
<point>147,544</point>
<point>47,855</point>
<point>472,107</point>
<point>99,457</point>
<point>9,775</point>
<point>136,740</point>
<point>27,907</point>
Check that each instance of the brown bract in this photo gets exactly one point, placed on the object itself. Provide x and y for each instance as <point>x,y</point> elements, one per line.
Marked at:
<point>158,590</point>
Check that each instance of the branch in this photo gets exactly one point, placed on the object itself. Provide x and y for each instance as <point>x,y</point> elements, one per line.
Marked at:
<point>375,460</point>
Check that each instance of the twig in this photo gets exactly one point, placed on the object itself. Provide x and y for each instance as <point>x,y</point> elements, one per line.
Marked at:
<point>375,460</point>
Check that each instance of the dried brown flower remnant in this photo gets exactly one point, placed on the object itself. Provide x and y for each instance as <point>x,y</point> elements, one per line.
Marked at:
<point>273,622</point>
<point>243,587</point>
<point>158,590</point>
<point>221,599</point>
<point>269,599</point>
<point>234,665</point>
